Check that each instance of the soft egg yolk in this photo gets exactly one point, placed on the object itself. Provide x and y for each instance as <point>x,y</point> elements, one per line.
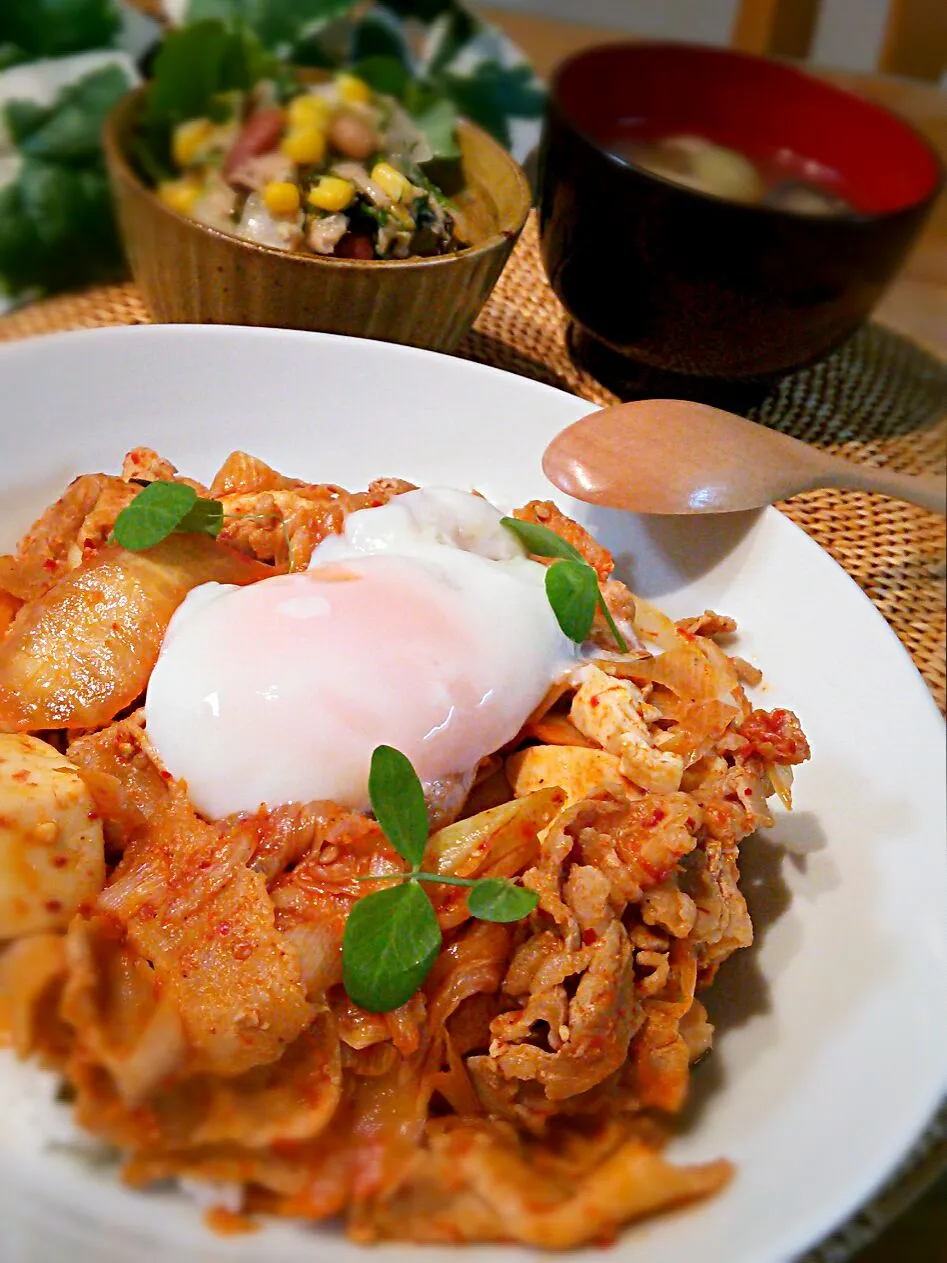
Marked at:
<point>280,691</point>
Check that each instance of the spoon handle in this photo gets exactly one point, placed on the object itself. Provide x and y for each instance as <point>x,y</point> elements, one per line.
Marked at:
<point>927,490</point>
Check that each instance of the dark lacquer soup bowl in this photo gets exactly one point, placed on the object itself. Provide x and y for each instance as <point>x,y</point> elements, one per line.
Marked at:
<point>684,280</point>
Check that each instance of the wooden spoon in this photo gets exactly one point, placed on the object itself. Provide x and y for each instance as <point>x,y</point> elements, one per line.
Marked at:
<point>673,456</point>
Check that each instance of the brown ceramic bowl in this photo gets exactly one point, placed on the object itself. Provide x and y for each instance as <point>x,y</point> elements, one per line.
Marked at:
<point>192,274</point>
<point>684,282</point>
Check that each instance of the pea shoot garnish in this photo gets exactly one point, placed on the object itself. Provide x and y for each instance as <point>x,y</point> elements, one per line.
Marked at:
<point>392,937</point>
<point>173,508</point>
<point>571,583</point>
<point>162,508</point>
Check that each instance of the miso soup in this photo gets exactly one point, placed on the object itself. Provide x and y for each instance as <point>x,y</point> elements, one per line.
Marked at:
<point>783,179</point>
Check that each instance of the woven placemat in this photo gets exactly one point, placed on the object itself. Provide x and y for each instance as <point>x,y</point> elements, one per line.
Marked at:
<point>880,399</point>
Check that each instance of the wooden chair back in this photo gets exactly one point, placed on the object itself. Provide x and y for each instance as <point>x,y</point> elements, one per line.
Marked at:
<point>914,43</point>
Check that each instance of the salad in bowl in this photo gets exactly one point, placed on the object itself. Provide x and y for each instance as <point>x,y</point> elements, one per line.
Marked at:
<point>330,168</point>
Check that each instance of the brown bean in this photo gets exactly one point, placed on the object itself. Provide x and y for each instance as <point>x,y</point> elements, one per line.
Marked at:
<point>355,245</point>
<point>353,136</point>
<point>261,133</point>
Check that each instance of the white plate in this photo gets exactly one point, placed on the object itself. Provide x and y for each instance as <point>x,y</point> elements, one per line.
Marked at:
<point>832,1048</point>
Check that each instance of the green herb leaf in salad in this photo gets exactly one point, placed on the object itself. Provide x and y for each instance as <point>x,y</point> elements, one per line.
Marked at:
<point>572,586</point>
<point>197,65</point>
<point>380,54</point>
<point>200,71</point>
<point>384,74</point>
<point>437,119</point>
<point>376,49</point>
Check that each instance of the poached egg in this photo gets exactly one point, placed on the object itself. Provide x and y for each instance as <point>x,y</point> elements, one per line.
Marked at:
<point>424,626</point>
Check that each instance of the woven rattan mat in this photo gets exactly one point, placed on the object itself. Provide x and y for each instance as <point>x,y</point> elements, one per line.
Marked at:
<point>880,400</point>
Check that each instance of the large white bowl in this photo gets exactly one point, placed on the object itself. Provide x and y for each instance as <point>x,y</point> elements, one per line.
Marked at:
<point>832,1043</point>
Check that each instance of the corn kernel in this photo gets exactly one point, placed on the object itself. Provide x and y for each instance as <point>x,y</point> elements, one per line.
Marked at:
<point>352,90</point>
<point>305,145</point>
<point>308,111</point>
<point>188,138</point>
<point>392,181</point>
<point>281,197</point>
<point>331,193</point>
<point>180,195</point>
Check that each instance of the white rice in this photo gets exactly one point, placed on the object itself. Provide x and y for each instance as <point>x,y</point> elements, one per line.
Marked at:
<point>208,1194</point>
<point>33,1119</point>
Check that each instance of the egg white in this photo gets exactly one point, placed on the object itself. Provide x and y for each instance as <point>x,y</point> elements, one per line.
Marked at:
<point>424,626</point>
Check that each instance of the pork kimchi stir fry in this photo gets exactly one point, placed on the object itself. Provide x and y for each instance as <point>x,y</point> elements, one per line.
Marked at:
<point>494,1049</point>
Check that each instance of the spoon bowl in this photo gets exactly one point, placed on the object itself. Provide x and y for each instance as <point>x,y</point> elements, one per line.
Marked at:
<point>675,456</point>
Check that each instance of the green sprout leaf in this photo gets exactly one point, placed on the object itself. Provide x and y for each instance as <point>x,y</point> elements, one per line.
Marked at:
<point>494,899</point>
<point>390,943</point>
<point>157,511</point>
<point>162,508</point>
<point>620,640</point>
<point>397,798</point>
<point>569,592</point>
<point>572,589</point>
<point>205,517</point>
<point>540,540</point>
<point>392,937</point>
